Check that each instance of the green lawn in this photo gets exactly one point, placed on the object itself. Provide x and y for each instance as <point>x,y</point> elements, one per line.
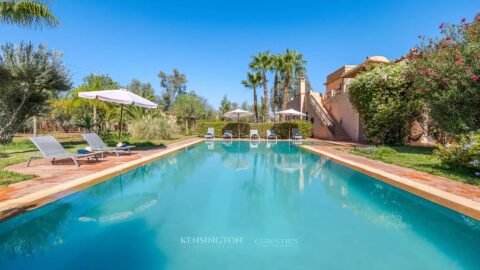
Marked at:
<point>417,158</point>
<point>21,149</point>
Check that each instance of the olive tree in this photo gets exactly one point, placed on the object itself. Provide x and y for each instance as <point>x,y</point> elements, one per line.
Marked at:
<point>29,76</point>
<point>189,106</point>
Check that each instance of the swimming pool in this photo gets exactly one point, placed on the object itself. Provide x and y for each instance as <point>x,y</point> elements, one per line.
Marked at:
<point>241,205</point>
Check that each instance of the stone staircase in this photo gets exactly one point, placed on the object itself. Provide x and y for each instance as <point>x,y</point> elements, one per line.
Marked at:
<point>333,128</point>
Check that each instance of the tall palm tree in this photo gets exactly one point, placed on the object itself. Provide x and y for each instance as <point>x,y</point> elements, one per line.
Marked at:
<point>253,81</point>
<point>277,69</point>
<point>34,13</point>
<point>293,63</point>
<point>262,63</point>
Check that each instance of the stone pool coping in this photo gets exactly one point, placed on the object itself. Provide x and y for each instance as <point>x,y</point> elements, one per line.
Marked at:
<point>460,197</point>
<point>17,205</point>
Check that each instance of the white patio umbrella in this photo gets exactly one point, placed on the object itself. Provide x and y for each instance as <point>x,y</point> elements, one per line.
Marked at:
<point>120,96</point>
<point>237,114</point>
<point>291,112</point>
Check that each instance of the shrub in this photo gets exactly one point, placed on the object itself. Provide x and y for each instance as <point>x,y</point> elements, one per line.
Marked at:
<point>447,71</point>
<point>281,129</point>
<point>387,103</point>
<point>202,127</point>
<point>463,154</point>
<point>153,129</point>
<point>284,129</point>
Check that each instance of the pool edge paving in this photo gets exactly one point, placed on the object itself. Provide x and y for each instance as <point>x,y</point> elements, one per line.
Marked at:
<point>412,184</point>
<point>15,206</point>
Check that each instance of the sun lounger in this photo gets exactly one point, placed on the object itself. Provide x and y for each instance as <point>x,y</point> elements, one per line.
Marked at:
<point>254,134</point>
<point>210,133</point>
<point>97,144</point>
<point>228,134</point>
<point>296,134</point>
<point>271,135</point>
<point>51,148</point>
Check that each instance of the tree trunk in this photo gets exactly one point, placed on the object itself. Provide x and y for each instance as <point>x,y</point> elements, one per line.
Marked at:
<point>7,132</point>
<point>255,103</point>
<point>34,126</point>
<point>275,96</point>
<point>186,126</point>
<point>95,117</point>
<point>285,93</point>
<point>265,99</point>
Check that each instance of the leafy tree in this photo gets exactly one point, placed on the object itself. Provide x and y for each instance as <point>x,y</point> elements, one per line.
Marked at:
<point>293,64</point>
<point>253,81</point>
<point>387,102</point>
<point>26,13</point>
<point>99,109</point>
<point>173,85</point>
<point>189,106</point>
<point>143,89</point>
<point>277,68</point>
<point>61,112</point>
<point>225,105</point>
<point>262,63</point>
<point>245,106</point>
<point>28,78</point>
<point>447,71</point>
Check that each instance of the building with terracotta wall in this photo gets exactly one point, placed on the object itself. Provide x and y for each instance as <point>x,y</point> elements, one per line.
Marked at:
<point>332,114</point>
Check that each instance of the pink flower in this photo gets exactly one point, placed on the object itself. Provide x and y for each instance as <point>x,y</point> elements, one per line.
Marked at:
<point>474,78</point>
<point>441,25</point>
<point>448,38</point>
<point>478,19</point>
<point>463,20</point>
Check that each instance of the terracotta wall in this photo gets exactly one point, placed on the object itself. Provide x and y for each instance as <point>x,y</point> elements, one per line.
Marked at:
<point>342,111</point>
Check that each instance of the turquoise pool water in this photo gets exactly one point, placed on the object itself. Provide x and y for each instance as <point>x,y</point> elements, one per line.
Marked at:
<point>241,205</point>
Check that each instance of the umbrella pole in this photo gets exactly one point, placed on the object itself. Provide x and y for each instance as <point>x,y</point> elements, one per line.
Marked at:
<point>121,122</point>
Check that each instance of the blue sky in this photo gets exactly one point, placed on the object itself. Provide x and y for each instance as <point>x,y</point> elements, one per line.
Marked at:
<point>212,41</point>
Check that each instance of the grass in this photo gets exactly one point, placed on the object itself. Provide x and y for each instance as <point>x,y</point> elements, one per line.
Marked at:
<point>21,149</point>
<point>417,158</point>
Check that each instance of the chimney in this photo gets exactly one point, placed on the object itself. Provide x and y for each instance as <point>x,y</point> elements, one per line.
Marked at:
<point>302,94</point>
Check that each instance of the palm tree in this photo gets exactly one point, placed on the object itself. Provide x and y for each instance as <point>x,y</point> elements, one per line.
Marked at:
<point>26,13</point>
<point>293,63</point>
<point>253,81</point>
<point>262,63</point>
<point>277,69</point>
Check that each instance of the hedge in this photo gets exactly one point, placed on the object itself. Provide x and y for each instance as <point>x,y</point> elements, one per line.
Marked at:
<point>281,129</point>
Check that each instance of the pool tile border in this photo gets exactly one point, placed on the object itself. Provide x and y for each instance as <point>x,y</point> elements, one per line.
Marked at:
<point>457,203</point>
<point>16,206</point>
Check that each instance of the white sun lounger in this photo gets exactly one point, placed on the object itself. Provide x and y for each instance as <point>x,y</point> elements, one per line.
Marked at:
<point>254,134</point>
<point>228,134</point>
<point>210,133</point>
<point>51,148</point>
<point>271,135</point>
<point>296,134</point>
<point>97,144</point>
